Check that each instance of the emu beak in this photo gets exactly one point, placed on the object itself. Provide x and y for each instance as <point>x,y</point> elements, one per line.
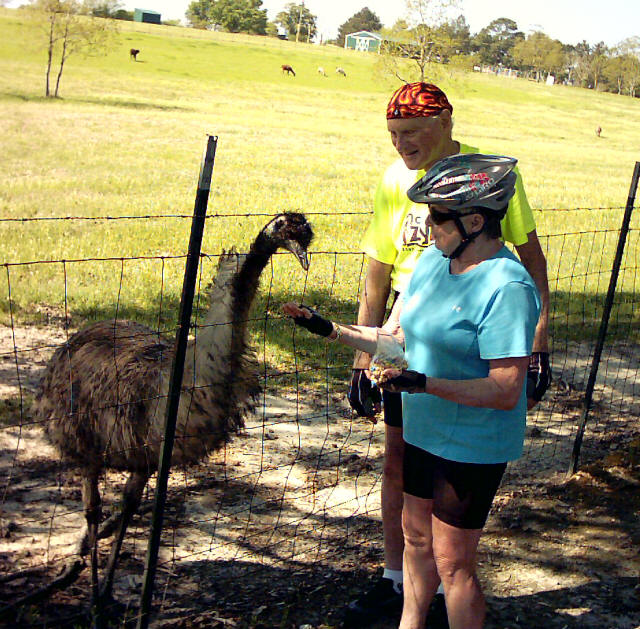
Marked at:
<point>299,252</point>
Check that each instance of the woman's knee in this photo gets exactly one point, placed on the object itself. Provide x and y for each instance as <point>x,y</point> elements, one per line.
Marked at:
<point>455,552</point>
<point>416,524</point>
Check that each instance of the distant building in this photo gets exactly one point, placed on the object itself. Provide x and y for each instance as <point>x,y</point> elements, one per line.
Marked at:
<point>144,15</point>
<point>363,40</point>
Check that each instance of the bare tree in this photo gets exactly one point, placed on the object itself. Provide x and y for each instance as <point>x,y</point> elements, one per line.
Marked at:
<point>70,27</point>
<point>421,38</point>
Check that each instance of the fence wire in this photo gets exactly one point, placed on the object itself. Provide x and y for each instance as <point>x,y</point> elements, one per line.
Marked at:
<point>295,496</point>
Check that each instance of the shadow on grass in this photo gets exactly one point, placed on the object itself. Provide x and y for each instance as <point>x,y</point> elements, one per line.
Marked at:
<point>127,104</point>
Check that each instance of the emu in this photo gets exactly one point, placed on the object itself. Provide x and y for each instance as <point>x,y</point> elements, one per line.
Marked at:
<point>598,130</point>
<point>341,71</point>
<point>288,69</point>
<point>103,395</point>
<point>133,54</point>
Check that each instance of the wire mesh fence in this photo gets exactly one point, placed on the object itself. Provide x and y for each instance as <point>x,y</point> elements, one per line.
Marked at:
<point>295,496</point>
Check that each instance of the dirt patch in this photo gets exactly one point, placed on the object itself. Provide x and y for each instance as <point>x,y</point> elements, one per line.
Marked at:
<point>282,528</point>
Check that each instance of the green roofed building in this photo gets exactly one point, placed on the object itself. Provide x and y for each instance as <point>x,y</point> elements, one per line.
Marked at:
<point>144,15</point>
<point>363,40</point>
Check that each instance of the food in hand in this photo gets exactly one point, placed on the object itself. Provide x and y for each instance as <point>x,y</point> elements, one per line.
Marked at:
<point>380,364</point>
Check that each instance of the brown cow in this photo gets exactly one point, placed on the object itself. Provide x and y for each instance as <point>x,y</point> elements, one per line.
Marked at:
<point>133,54</point>
<point>287,68</point>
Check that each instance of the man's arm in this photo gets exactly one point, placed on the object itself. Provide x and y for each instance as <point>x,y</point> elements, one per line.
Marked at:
<point>373,302</point>
<point>534,261</point>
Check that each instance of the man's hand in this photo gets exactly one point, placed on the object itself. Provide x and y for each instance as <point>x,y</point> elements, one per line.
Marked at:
<point>407,381</point>
<point>364,396</point>
<point>538,377</point>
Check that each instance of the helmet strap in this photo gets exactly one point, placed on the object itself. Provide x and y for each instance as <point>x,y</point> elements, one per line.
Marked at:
<point>467,239</point>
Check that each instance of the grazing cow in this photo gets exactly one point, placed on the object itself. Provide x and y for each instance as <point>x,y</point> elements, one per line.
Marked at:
<point>133,54</point>
<point>321,71</point>
<point>288,69</point>
<point>598,131</point>
<point>341,71</point>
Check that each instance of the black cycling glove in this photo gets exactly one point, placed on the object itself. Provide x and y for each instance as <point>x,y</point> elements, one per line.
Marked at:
<point>408,381</point>
<point>538,375</point>
<point>364,396</point>
<point>316,324</point>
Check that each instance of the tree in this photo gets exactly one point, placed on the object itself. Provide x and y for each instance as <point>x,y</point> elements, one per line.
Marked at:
<point>421,38</point>
<point>539,53</point>
<point>363,20</point>
<point>198,13</point>
<point>123,14</point>
<point>105,8</point>
<point>622,74</point>
<point>235,16</point>
<point>298,21</point>
<point>597,62</point>
<point>456,34</point>
<point>495,42</point>
<point>70,27</point>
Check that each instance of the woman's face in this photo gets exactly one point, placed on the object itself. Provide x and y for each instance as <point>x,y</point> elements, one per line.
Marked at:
<point>445,233</point>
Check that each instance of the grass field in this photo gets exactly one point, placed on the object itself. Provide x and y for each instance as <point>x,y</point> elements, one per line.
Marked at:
<point>126,139</point>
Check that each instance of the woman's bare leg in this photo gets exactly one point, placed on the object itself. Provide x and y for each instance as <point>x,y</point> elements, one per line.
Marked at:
<point>455,552</point>
<point>419,567</point>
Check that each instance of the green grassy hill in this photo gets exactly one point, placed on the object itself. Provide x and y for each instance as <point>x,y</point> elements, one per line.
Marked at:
<point>126,139</point>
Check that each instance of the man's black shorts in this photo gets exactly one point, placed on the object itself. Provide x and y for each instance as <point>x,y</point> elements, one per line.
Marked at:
<point>392,408</point>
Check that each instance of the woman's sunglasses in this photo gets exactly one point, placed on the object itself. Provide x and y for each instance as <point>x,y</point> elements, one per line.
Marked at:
<point>438,218</point>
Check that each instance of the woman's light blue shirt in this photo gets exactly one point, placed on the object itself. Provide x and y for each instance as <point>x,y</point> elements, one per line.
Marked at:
<point>454,325</point>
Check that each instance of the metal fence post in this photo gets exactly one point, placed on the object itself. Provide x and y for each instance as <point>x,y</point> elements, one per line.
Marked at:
<point>177,371</point>
<point>604,323</point>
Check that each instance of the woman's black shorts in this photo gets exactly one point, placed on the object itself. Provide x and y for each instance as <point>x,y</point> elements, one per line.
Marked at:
<point>462,493</point>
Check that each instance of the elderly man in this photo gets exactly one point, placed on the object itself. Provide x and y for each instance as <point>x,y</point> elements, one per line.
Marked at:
<point>419,120</point>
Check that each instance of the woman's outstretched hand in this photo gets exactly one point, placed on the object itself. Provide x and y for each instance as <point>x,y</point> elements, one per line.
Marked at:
<point>308,318</point>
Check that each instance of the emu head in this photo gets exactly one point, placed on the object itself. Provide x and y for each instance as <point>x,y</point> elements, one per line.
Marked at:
<point>290,231</point>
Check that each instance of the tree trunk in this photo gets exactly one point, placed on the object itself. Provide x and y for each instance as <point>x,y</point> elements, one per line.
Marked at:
<point>52,22</point>
<point>63,57</point>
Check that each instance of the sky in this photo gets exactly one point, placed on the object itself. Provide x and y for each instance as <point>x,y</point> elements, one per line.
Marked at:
<point>570,21</point>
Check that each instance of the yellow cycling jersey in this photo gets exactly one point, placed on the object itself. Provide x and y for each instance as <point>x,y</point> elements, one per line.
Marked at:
<point>398,233</point>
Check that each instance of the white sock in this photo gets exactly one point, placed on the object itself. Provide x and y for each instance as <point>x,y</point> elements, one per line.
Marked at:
<point>440,589</point>
<point>396,577</point>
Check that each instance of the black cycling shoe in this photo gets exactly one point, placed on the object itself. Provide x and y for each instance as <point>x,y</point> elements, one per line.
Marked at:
<point>437,614</point>
<point>380,601</point>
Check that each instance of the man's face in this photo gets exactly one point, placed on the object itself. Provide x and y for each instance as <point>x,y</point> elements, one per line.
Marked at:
<point>421,141</point>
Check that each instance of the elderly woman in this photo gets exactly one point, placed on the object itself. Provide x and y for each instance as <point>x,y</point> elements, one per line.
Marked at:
<point>467,321</point>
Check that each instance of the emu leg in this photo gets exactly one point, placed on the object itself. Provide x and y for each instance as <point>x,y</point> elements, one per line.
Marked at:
<point>92,512</point>
<point>131,498</point>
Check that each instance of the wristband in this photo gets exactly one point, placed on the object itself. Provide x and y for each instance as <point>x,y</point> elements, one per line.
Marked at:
<point>338,331</point>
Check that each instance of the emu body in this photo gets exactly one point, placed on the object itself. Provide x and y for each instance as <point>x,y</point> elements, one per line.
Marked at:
<point>103,396</point>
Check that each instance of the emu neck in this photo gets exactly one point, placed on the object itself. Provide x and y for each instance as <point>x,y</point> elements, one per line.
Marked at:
<point>221,339</point>
<point>246,282</point>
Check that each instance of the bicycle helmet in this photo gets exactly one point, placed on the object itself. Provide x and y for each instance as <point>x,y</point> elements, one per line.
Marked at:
<point>467,183</point>
<point>468,180</point>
